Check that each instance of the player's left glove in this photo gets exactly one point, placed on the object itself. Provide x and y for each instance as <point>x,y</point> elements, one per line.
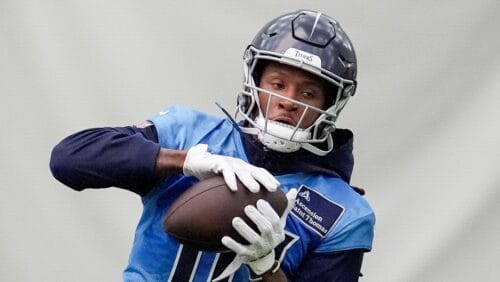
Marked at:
<point>259,254</point>
<point>202,165</point>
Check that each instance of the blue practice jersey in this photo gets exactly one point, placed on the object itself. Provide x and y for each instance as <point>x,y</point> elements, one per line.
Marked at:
<point>328,216</point>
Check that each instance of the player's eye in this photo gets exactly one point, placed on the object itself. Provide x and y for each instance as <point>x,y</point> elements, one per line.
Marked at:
<point>308,94</point>
<point>278,85</point>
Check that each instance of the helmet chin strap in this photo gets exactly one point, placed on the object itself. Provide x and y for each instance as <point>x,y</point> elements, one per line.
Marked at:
<point>317,151</point>
<point>278,136</point>
<point>284,138</point>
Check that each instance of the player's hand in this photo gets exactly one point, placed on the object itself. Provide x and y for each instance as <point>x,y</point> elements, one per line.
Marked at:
<point>259,254</point>
<point>202,165</point>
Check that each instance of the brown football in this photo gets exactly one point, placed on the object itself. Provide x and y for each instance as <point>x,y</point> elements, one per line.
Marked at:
<point>202,215</point>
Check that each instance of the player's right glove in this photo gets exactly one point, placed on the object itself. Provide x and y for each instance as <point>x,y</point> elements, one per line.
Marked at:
<point>202,165</point>
<point>259,255</point>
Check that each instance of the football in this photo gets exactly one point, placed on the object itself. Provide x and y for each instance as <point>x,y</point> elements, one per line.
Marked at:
<point>202,215</point>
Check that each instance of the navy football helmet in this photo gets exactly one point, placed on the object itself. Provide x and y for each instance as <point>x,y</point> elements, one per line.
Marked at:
<point>310,41</point>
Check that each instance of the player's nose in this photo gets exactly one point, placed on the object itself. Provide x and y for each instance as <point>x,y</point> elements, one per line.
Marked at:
<point>288,104</point>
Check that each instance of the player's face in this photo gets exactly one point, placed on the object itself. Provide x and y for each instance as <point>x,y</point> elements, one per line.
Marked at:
<point>295,84</point>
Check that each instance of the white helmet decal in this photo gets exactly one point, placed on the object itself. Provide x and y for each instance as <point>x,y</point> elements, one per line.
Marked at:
<point>303,56</point>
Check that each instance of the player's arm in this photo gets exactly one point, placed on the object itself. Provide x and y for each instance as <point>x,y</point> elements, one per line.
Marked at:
<point>131,158</point>
<point>342,266</point>
<point>123,157</point>
<point>277,276</point>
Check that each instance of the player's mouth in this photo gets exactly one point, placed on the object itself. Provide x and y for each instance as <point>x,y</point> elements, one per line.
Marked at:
<point>284,119</point>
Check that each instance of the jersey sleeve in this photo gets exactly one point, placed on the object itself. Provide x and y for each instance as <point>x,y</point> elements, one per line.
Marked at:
<point>181,128</point>
<point>123,157</point>
<point>343,266</point>
<point>339,257</point>
<point>176,127</point>
<point>357,234</point>
<point>354,228</point>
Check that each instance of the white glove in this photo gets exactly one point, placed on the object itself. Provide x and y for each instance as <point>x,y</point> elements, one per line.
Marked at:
<point>259,254</point>
<point>202,165</point>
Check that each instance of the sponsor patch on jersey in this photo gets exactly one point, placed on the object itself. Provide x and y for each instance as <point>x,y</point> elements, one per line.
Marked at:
<point>316,211</point>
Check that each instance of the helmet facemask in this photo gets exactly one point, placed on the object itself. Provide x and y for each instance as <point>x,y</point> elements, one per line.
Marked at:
<point>280,136</point>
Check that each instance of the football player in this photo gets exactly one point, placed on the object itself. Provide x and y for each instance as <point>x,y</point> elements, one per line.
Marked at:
<point>299,73</point>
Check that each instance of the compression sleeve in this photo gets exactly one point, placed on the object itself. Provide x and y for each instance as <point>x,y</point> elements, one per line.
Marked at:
<point>123,157</point>
<point>343,266</point>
